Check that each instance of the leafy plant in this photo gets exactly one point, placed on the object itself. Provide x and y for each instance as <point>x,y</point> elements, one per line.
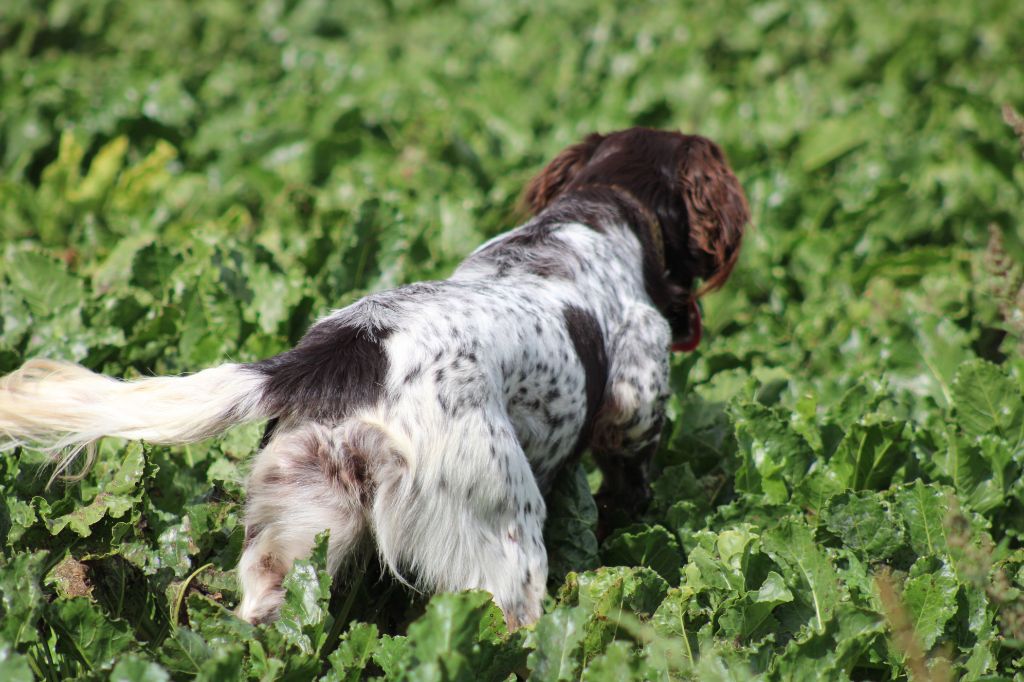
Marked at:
<point>838,493</point>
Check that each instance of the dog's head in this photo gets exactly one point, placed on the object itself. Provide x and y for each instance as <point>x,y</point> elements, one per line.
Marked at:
<point>687,207</point>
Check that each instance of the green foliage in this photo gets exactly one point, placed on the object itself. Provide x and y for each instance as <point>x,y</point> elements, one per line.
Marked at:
<point>839,492</point>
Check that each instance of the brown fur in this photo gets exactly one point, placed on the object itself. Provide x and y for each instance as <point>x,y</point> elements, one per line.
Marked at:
<point>702,222</point>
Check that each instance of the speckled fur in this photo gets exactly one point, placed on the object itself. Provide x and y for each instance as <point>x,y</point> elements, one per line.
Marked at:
<point>484,399</point>
<point>430,420</point>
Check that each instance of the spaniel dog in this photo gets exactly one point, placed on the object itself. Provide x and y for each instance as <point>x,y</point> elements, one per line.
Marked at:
<point>433,417</point>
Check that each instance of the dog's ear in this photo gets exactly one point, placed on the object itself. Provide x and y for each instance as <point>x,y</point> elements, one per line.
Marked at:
<point>716,208</point>
<point>551,181</point>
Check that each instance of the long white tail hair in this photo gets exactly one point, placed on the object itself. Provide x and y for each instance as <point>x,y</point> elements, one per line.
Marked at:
<point>64,408</point>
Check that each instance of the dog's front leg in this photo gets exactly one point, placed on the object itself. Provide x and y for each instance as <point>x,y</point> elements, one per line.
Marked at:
<point>629,423</point>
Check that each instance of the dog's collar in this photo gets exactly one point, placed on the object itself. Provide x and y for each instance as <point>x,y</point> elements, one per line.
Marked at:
<point>653,225</point>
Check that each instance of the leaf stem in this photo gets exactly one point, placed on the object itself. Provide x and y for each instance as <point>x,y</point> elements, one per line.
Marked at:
<point>181,593</point>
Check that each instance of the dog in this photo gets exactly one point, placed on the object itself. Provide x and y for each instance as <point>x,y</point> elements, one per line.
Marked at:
<point>433,417</point>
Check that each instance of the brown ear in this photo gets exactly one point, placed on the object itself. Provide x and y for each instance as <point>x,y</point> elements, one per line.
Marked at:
<point>716,208</point>
<point>557,175</point>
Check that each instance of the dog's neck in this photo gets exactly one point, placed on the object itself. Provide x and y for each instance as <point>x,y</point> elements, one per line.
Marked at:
<point>650,223</point>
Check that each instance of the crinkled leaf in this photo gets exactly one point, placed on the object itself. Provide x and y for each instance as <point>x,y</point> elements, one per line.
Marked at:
<point>21,597</point>
<point>924,509</point>
<point>833,652</point>
<point>87,634</point>
<point>133,668</point>
<point>651,546</point>
<point>557,643</point>
<point>774,456</point>
<point>749,616</point>
<point>930,599</point>
<point>869,455</point>
<point>355,650</point>
<point>304,619</point>
<point>569,531</point>
<point>809,573</point>
<point>988,402</point>
<point>82,519</point>
<point>43,282</point>
<point>224,665</point>
<point>865,523</point>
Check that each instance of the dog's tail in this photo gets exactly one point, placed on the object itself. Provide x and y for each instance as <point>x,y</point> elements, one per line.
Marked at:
<point>63,408</point>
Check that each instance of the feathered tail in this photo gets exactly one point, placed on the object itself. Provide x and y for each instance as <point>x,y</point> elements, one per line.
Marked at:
<point>63,407</point>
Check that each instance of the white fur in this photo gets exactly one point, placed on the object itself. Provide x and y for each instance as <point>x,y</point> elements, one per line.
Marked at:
<point>62,406</point>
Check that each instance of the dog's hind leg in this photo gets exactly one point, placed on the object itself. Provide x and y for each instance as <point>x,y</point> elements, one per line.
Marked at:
<point>467,514</point>
<point>303,482</point>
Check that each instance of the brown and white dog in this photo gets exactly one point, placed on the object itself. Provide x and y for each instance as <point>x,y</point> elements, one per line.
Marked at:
<point>434,416</point>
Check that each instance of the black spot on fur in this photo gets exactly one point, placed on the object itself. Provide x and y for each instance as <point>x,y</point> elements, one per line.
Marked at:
<point>251,531</point>
<point>588,340</point>
<point>268,432</point>
<point>336,367</point>
<point>413,374</point>
<point>272,478</point>
<point>358,470</point>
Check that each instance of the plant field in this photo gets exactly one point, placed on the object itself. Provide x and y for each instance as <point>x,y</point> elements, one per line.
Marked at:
<point>839,492</point>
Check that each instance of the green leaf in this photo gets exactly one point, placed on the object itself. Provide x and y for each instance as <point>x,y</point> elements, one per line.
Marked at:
<point>557,644</point>
<point>83,519</point>
<point>775,458</point>
<point>20,516</point>
<point>304,620</point>
<point>21,597</point>
<point>831,138</point>
<point>651,546</point>
<point>930,598</point>
<point>102,172</point>
<point>461,636</point>
<point>355,650</point>
<point>184,652</point>
<point>451,625</point>
<point>393,655</point>
<point>988,402</point>
<point>942,347</point>
<point>980,468</point>
<point>671,620</point>
<point>129,474</point>
<point>13,666</point>
<point>153,266</point>
<point>865,523</point>
<point>833,653</point>
<point>43,282</point>
<point>569,531</point>
<point>677,483</point>
<point>225,665</point>
<point>86,634</point>
<point>618,662</point>
<point>809,573</point>
<point>749,616</point>
<point>216,624</point>
<point>924,509</point>
<point>132,668</point>
<point>606,590</point>
<point>869,455</point>
<point>610,596</point>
